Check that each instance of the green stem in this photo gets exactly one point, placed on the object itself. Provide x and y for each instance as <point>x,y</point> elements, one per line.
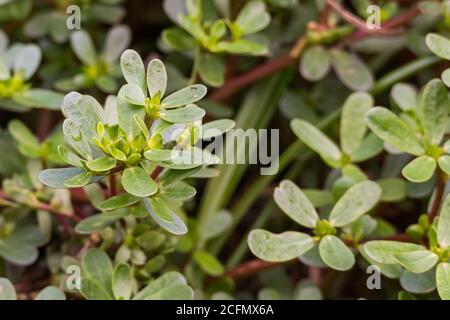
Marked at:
<point>402,73</point>
<point>194,72</point>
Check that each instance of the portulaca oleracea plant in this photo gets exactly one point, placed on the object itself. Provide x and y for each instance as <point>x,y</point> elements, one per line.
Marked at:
<point>226,149</point>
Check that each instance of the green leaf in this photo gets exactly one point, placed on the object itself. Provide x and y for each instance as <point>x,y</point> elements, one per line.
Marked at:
<point>156,78</point>
<point>209,263</point>
<point>28,60</point>
<point>7,290</point>
<point>393,189</point>
<point>23,135</point>
<point>216,128</point>
<point>178,39</point>
<point>137,182</point>
<point>384,251</point>
<point>126,113</point>
<point>160,155</point>
<point>5,74</point>
<point>50,293</point>
<point>119,201</point>
<point>353,121</point>
<point>421,169</point>
<point>417,261</point>
<point>83,47</point>
<point>386,125</point>
<point>316,140</point>
<point>335,253</point>
<point>99,221</point>
<point>170,286</point>
<point>215,225</point>
<point>101,164</point>
<point>315,63</point>
<point>295,204</point>
<point>351,70</point>
<point>161,209</point>
<point>84,111</point>
<point>179,191</point>
<point>177,227</point>
<point>443,227</point>
<point>419,282</point>
<point>211,68</point>
<point>356,201</point>
<point>133,94</point>
<point>79,180</point>
<point>433,111</point>
<point>184,96</point>
<point>117,40</point>
<point>190,113</point>
<point>97,268</point>
<point>40,98</point>
<point>122,282</point>
<point>439,45</point>
<point>445,76</point>
<point>443,280</point>
<point>91,290</point>
<point>55,178</point>
<point>76,139</point>
<point>278,247</point>
<point>444,163</point>
<point>133,68</point>
<point>405,96</point>
<point>252,17</point>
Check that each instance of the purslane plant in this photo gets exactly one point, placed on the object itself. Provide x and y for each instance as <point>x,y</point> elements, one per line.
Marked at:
<point>136,139</point>
<point>18,64</point>
<point>202,32</point>
<point>420,259</point>
<point>99,69</point>
<point>351,207</point>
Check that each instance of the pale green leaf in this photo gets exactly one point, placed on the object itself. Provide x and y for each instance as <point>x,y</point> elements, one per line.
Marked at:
<point>417,261</point>
<point>7,290</point>
<point>98,268</point>
<point>405,96</point>
<point>439,45</point>
<point>351,70</point>
<point>133,68</point>
<point>421,169</point>
<point>28,60</point>
<point>83,47</point>
<point>184,96</point>
<point>101,164</point>
<point>384,251</point>
<point>433,111</point>
<point>356,201</point>
<point>443,227</point>
<point>156,78</point>
<point>208,263</point>
<point>122,282</point>
<point>253,17</point>
<point>315,63</point>
<point>386,125</point>
<point>177,227</point>
<point>99,221</point>
<point>295,204</point>
<point>335,253</point>
<point>316,140</point>
<point>443,280</point>
<point>278,247</point>
<point>137,182</point>
<point>444,163</point>
<point>119,201</point>
<point>50,293</point>
<point>187,114</point>
<point>353,121</point>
